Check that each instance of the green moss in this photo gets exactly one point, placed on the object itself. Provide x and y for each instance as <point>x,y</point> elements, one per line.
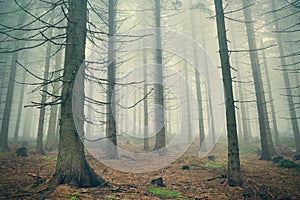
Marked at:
<point>164,192</point>
<point>214,165</point>
<point>113,197</point>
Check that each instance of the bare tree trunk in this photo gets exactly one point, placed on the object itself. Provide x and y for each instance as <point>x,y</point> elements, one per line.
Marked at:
<point>158,87</point>
<point>50,142</point>
<point>267,148</point>
<point>146,119</point>
<point>289,93</point>
<point>8,104</point>
<point>20,108</point>
<point>111,131</point>
<point>39,145</point>
<point>72,167</point>
<point>187,101</point>
<point>234,177</point>
<point>198,86</point>
<point>275,128</point>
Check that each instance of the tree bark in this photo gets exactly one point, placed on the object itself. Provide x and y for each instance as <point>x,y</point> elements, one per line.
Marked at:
<point>234,177</point>
<point>72,167</point>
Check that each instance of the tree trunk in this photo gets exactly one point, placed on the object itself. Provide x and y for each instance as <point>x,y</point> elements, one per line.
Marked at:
<point>289,93</point>
<point>146,119</point>
<point>187,101</point>
<point>72,167</point>
<point>275,128</point>
<point>198,87</point>
<point>50,142</point>
<point>234,178</point>
<point>267,148</point>
<point>243,123</point>
<point>8,104</point>
<point>111,131</point>
<point>39,145</point>
<point>20,108</point>
<point>158,86</point>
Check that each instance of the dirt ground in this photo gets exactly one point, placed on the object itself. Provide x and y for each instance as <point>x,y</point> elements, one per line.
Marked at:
<point>27,178</point>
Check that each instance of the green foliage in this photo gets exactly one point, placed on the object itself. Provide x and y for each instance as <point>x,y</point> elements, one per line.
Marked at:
<point>113,197</point>
<point>287,164</point>
<point>214,165</point>
<point>75,195</point>
<point>164,192</point>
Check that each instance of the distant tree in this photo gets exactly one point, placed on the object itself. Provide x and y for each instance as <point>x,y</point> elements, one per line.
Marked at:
<point>39,145</point>
<point>198,84</point>
<point>267,148</point>
<point>234,177</point>
<point>111,130</point>
<point>52,127</point>
<point>158,87</point>
<point>289,94</point>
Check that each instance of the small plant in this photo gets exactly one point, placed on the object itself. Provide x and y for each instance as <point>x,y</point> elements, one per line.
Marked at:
<point>75,195</point>
<point>287,164</point>
<point>164,192</point>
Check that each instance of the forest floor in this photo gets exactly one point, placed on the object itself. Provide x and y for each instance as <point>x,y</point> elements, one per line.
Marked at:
<point>27,178</point>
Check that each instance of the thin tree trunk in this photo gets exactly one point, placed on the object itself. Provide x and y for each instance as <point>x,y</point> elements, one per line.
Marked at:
<point>187,101</point>
<point>267,148</point>
<point>111,131</point>
<point>158,87</point>
<point>20,108</point>
<point>289,93</point>
<point>198,86</point>
<point>39,145</point>
<point>8,104</point>
<point>243,123</point>
<point>72,167</point>
<point>275,128</point>
<point>146,119</point>
<point>234,177</point>
<point>50,142</point>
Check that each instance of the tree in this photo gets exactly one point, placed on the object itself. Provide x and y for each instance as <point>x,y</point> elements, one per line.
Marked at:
<point>72,167</point>
<point>293,116</point>
<point>111,131</point>
<point>275,128</point>
<point>158,87</point>
<point>267,148</point>
<point>51,140</point>
<point>198,86</point>
<point>39,144</point>
<point>234,177</point>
